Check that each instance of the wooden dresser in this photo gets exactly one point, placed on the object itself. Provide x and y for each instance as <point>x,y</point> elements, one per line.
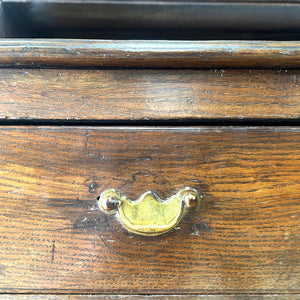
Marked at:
<point>79,117</point>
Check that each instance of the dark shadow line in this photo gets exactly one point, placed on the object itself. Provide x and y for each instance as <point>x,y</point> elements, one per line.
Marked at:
<point>153,122</point>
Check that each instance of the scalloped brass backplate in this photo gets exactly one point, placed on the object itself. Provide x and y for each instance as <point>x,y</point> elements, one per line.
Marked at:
<point>150,215</point>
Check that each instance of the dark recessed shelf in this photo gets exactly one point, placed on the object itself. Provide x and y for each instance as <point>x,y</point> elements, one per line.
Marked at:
<point>192,20</point>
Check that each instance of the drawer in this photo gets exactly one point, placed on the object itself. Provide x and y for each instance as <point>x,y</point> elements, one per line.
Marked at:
<point>130,95</point>
<point>244,238</point>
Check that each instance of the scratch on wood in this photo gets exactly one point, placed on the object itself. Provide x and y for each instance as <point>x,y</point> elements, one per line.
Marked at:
<point>2,270</point>
<point>87,143</point>
<point>53,251</point>
<point>87,138</point>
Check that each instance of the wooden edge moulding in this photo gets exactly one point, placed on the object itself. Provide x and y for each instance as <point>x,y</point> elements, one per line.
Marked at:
<point>148,54</point>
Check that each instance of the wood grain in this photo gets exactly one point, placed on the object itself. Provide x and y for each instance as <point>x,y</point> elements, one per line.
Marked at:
<point>141,2</point>
<point>149,94</point>
<point>245,239</point>
<point>149,54</point>
<point>151,297</point>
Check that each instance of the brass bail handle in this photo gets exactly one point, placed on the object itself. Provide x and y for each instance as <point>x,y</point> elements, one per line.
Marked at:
<point>150,215</point>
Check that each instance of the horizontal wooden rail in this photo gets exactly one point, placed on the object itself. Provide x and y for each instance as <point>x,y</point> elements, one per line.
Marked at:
<point>149,54</point>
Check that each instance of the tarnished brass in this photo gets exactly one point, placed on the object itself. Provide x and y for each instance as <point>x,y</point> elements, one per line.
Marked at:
<point>149,215</point>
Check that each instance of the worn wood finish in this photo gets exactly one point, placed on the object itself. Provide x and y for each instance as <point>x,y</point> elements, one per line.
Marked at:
<point>150,54</point>
<point>245,239</point>
<point>157,2</point>
<point>149,94</point>
<point>151,297</point>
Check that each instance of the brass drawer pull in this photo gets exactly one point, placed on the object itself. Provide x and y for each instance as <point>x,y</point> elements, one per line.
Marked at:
<point>149,215</point>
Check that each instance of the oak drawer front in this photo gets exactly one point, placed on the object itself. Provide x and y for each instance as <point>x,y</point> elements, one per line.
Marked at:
<point>245,238</point>
<point>128,94</point>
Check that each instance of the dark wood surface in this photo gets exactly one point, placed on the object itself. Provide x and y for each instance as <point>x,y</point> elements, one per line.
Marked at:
<point>2,34</point>
<point>152,297</point>
<point>151,54</point>
<point>159,2</point>
<point>149,94</point>
<point>245,239</point>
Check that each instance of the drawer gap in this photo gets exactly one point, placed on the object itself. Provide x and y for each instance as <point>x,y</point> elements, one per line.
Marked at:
<point>153,123</point>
